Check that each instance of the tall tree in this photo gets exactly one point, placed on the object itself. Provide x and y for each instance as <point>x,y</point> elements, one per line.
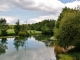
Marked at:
<point>3,26</point>
<point>17,27</point>
<point>68,32</point>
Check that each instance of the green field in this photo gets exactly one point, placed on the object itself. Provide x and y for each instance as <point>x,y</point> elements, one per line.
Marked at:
<point>10,31</point>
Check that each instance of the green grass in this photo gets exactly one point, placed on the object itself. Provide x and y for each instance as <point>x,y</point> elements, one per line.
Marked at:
<point>65,57</point>
<point>10,31</point>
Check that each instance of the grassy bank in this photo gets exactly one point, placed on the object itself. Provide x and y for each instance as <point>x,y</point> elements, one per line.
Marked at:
<point>65,57</point>
<point>11,32</point>
<point>70,56</point>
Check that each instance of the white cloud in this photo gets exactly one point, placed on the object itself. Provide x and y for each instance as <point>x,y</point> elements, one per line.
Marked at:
<point>4,5</point>
<point>54,7</point>
<point>10,19</point>
<point>40,18</point>
<point>73,4</point>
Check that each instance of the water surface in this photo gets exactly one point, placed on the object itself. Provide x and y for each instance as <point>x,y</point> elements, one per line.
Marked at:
<point>28,48</point>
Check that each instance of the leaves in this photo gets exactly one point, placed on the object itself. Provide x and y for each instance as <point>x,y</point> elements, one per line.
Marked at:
<point>68,31</point>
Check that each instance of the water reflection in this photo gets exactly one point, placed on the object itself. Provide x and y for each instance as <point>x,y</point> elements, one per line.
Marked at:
<point>36,47</point>
<point>45,39</point>
<point>3,45</point>
<point>19,42</point>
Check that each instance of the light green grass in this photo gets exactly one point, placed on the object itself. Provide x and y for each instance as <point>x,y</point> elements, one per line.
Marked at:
<point>10,31</point>
<point>65,57</point>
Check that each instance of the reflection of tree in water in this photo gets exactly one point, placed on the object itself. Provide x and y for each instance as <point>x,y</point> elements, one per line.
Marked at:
<point>49,43</point>
<point>19,42</point>
<point>42,37</point>
<point>45,39</point>
<point>3,46</point>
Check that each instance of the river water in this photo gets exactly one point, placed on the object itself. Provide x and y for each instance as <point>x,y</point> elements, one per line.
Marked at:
<point>28,48</point>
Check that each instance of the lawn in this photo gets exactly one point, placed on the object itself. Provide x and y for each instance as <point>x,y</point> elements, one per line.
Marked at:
<point>10,31</point>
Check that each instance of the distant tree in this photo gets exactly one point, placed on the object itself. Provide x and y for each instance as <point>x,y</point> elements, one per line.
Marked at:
<point>3,27</point>
<point>17,27</point>
<point>23,30</point>
<point>46,26</point>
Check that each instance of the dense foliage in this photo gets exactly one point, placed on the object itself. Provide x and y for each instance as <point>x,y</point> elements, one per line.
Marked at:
<point>17,27</point>
<point>46,26</point>
<point>3,27</point>
<point>20,30</point>
<point>23,30</point>
<point>67,29</point>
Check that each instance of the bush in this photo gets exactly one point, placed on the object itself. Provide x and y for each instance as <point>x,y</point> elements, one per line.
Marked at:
<point>22,33</point>
<point>3,33</point>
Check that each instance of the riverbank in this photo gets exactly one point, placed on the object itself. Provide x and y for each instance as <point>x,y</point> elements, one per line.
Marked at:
<point>11,32</point>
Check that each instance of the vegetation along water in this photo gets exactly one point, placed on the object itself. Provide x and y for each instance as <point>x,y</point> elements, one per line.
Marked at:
<point>32,41</point>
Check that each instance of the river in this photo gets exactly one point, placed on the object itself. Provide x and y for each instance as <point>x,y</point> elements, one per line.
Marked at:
<point>28,48</point>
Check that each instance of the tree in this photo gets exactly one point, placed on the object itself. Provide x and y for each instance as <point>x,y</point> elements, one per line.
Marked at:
<point>68,32</point>
<point>3,27</point>
<point>17,27</point>
<point>23,30</point>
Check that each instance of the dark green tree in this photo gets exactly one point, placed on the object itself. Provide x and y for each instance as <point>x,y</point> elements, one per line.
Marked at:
<point>17,27</point>
<point>3,27</point>
<point>68,30</point>
<point>23,30</point>
<point>46,26</point>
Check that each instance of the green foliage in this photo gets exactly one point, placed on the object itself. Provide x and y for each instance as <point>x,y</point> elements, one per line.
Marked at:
<point>68,32</point>
<point>46,26</point>
<point>17,27</point>
<point>65,57</point>
<point>23,30</point>
<point>34,32</point>
<point>3,27</point>
<point>45,30</point>
<point>22,33</point>
<point>11,26</point>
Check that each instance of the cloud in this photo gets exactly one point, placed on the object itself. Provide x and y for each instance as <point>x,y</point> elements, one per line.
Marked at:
<point>40,18</point>
<point>54,7</point>
<point>73,4</point>
<point>4,5</point>
<point>10,19</point>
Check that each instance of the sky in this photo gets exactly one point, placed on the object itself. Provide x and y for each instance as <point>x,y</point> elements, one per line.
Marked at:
<point>33,11</point>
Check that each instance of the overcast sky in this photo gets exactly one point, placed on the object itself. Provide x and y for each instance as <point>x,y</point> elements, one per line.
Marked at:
<point>32,11</point>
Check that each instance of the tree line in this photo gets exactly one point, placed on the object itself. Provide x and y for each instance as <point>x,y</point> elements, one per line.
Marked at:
<point>46,26</point>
